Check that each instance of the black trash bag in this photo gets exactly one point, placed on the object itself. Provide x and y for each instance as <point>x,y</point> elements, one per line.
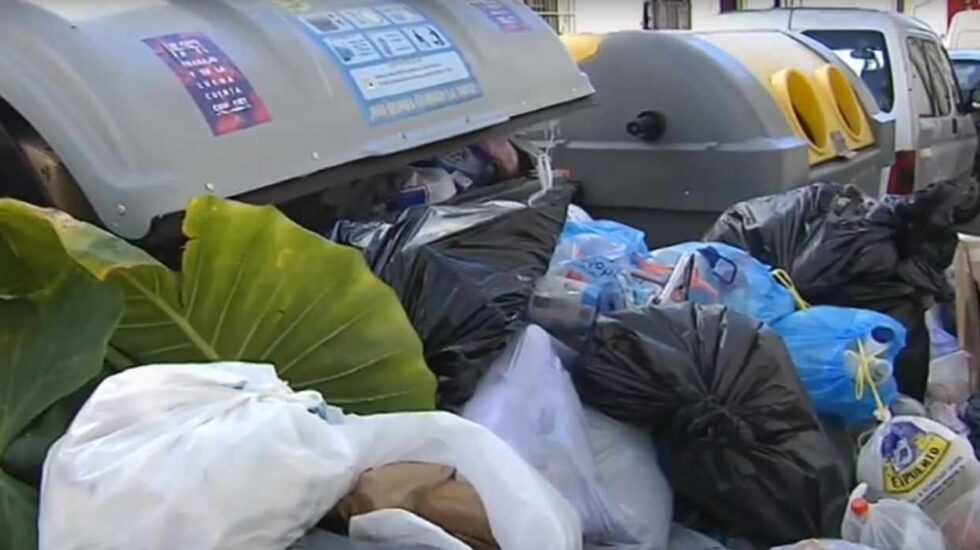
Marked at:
<point>465,275</point>
<point>721,397</point>
<point>844,248</point>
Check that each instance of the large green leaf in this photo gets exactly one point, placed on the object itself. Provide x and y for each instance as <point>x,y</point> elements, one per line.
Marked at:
<point>254,287</point>
<point>53,341</point>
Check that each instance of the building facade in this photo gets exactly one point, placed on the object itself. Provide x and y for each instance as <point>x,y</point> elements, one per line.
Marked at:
<point>612,15</point>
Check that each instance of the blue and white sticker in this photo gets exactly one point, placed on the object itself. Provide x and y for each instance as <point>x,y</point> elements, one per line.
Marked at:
<point>399,62</point>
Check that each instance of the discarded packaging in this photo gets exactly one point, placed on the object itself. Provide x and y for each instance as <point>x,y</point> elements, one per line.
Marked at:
<point>721,274</point>
<point>432,492</point>
<point>732,422</point>
<point>889,524</point>
<point>227,456</point>
<point>920,461</point>
<point>529,401</point>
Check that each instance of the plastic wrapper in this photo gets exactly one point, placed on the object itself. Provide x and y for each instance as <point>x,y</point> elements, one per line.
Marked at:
<point>465,275</point>
<point>827,345</point>
<point>730,417</point>
<point>721,274</point>
<point>528,400</point>
<point>843,248</point>
<point>919,461</point>
<point>889,525</point>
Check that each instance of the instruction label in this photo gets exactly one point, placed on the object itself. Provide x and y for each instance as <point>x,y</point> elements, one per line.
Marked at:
<point>502,15</point>
<point>399,62</point>
<point>219,89</point>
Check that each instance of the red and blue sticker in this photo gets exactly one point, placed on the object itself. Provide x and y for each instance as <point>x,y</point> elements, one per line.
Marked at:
<point>222,93</point>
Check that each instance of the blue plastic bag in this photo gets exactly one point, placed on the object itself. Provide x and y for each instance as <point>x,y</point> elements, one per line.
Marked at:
<point>823,342</point>
<point>602,254</point>
<point>727,275</point>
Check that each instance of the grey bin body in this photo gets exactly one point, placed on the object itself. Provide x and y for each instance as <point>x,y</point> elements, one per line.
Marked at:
<point>94,79</point>
<point>726,140</point>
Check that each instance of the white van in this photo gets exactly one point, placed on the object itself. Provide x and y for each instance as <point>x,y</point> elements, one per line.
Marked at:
<point>906,68</point>
<point>964,31</point>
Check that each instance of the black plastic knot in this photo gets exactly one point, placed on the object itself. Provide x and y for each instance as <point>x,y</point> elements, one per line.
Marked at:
<point>710,421</point>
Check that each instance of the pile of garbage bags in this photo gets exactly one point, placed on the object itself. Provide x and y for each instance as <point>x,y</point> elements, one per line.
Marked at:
<point>597,394</point>
<point>840,247</point>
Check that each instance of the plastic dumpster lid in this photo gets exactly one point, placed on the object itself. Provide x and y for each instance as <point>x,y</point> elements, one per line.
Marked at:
<point>152,102</point>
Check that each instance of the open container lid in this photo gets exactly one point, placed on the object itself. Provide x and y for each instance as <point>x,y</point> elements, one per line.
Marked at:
<point>152,102</point>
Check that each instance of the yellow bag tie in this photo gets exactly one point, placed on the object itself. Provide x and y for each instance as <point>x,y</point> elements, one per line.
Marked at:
<point>866,378</point>
<point>783,278</point>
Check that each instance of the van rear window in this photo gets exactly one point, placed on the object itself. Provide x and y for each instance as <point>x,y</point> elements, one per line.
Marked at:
<point>867,54</point>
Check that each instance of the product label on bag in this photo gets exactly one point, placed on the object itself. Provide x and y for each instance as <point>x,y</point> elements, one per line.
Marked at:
<point>911,456</point>
<point>398,62</point>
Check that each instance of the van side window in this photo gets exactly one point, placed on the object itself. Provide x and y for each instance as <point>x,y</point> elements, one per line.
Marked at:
<point>933,96</point>
<point>942,75</point>
<point>866,53</point>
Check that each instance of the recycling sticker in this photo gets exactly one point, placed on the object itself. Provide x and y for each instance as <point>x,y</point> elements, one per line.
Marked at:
<point>399,62</point>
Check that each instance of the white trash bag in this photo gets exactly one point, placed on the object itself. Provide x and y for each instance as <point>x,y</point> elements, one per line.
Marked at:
<point>918,460</point>
<point>626,461</point>
<point>211,457</point>
<point>889,524</point>
<point>528,399</point>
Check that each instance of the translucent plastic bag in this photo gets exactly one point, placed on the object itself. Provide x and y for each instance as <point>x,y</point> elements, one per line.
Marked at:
<point>827,344</point>
<point>626,460</point>
<point>529,401</point>
<point>889,524</point>
<point>602,254</point>
<point>960,522</point>
<point>723,274</point>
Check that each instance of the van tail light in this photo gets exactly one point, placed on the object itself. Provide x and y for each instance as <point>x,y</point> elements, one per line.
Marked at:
<point>901,181</point>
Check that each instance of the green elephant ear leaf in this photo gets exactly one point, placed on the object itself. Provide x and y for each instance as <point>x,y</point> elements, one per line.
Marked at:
<point>256,287</point>
<point>53,342</point>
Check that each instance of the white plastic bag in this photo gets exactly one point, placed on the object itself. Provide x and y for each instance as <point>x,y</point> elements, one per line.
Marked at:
<point>528,399</point>
<point>918,460</point>
<point>210,457</point>
<point>524,510</point>
<point>399,526</point>
<point>193,456</point>
<point>626,461</point>
<point>889,524</point>
<point>960,522</point>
